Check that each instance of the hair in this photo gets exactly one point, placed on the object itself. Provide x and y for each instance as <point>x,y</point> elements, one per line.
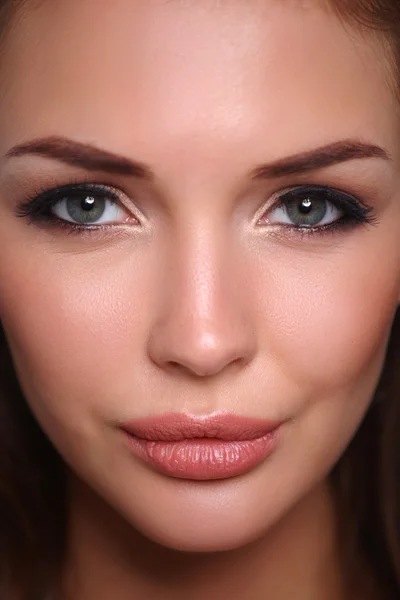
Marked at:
<point>365,480</point>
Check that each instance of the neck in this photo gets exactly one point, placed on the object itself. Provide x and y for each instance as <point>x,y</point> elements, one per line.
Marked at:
<point>109,559</point>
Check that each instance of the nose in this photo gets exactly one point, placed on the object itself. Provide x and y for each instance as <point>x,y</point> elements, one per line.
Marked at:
<point>204,325</point>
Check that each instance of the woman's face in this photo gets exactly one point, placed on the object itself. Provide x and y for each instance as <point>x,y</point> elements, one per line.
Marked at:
<point>228,275</point>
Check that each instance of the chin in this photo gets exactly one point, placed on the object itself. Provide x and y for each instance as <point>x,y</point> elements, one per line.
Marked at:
<point>200,516</point>
<point>204,539</point>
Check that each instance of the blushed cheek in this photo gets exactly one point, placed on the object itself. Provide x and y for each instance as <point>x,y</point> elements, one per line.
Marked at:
<point>329,313</point>
<point>74,330</point>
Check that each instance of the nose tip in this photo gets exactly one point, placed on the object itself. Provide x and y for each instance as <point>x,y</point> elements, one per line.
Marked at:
<point>201,352</point>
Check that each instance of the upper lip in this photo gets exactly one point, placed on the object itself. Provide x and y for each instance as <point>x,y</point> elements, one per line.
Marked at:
<point>181,426</point>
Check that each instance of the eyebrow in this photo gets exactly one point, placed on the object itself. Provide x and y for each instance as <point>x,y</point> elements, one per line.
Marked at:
<point>91,158</point>
<point>78,154</point>
<point>320,158</point>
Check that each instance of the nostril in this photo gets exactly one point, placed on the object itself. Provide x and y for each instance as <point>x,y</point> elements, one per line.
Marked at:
<point>204,368</point>
<point>194,370</point>
<point>174,365</point>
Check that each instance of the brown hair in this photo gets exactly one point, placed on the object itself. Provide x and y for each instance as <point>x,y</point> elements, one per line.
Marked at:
<point>366,479</point>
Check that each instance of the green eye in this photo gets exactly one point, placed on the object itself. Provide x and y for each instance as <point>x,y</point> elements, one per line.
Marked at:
<point>310,211</point>
<point>316,207</point>
<point>88,209</point>
<point>79,206</point>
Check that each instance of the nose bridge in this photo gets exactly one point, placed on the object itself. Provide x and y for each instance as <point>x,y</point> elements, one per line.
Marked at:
<point>202,325</point>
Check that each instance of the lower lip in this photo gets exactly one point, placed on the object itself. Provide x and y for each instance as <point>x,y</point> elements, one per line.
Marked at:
<point>204,458</point>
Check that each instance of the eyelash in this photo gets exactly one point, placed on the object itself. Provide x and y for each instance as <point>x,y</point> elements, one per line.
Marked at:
<point>356,212</point>
<point>38,207</point>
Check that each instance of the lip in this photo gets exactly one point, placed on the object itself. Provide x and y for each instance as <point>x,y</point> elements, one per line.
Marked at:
<point>217,446</point>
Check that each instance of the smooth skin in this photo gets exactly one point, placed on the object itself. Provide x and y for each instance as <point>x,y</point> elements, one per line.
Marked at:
<point>193,300</point>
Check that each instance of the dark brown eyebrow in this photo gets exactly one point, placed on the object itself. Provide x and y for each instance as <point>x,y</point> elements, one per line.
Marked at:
<point>91,158</point>
<point>81,155</point>
<point>319,158</point>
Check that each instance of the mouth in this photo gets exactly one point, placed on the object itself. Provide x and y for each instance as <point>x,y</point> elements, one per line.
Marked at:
<point>217,446</point>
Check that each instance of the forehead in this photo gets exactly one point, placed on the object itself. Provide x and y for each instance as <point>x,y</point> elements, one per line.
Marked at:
<point>141,70</point>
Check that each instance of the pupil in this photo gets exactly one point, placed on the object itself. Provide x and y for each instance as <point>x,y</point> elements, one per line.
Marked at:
<point>87,203</point>
<point>306,206</point>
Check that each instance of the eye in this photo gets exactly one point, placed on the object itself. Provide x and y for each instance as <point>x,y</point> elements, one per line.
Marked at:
<point>307,211</point>
<point>88,209</point>
<point>82,206</point>
<point>316,208</point>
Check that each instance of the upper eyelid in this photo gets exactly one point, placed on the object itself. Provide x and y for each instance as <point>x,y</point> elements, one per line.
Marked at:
<point>83,187</point>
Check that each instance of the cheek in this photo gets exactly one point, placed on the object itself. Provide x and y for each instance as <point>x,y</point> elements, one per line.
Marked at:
<point>328,312</point>
<point>74,325</point>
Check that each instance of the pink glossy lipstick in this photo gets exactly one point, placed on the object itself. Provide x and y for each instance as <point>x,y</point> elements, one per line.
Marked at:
<point>217,446</point>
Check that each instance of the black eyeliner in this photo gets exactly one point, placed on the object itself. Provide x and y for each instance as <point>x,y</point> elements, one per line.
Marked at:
<point>38,206</point>
<point>352,206</point>
<point>356,212</point>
